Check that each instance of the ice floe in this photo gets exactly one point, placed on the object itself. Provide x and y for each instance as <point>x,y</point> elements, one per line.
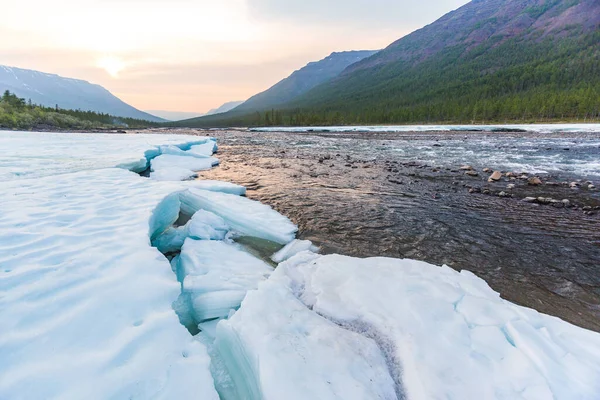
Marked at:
<point>245,216</point>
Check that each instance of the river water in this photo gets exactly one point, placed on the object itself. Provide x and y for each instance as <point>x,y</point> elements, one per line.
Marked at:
<point>404,195</point>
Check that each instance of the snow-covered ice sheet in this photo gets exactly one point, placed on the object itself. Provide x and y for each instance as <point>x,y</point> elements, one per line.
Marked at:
<point>85,302</point>
<point>245,216</point>
<point>34,154</point>
<point>443,334</point>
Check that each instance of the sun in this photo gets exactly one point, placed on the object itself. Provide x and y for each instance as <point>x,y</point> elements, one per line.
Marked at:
<point>112,65</point>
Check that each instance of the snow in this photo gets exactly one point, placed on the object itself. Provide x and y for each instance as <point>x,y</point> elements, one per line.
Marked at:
<point>35,154</point>
<point>85,301</point>
<point>541,128</point>
<point>245,216</point>
<point>216,276</point>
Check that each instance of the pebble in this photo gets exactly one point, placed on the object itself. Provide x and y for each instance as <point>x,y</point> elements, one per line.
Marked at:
<point>466,168</point>
<point>534,181</point>
<point>502,194</point>
<point>495,176</point>
<point>472,173</point>
<point>487,170</point>
<point>566,202</point>
<point>510,186</point>
<point>530,199</point>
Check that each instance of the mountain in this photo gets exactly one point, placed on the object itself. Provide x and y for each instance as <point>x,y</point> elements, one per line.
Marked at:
<point>173,115</point>
<point>304,79</point>
<point>224,108</point>
<point>490,60</point>
<point>298,83</point>
<point>50,90</point>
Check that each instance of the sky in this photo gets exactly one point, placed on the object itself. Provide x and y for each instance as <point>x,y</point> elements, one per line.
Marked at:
<point>194,55</point>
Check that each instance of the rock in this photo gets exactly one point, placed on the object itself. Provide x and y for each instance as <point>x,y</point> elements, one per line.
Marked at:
<point>510,186</point>
<point>529,199</point>
<point>349,165</point>
<point>587,208</point>
<point>552,184</point>
<point>523,177</point>
<point>495,176</point>
<point>472,173</point>
<point>486,191</point>
<point>591,187</point>
<point>566,203</point>
<point>534,181</point>
<point>502,194</point>
<point>466,168</point>
<point>542,200</point>
<point>487,170</point>
<point>573,185</point>
<point>509,174</point>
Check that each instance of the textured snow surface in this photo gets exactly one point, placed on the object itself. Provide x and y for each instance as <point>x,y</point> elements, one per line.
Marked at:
<point>34,154</point>
<point>245,216</point>
<point>442,334</point>
<point>85,302</point>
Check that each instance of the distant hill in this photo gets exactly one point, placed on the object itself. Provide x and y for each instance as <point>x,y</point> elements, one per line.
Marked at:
<point>173,115</point>
<point>298,83</point>
<point>224,108</point>
<point>490,60</point>
<point>50,90</point>
<point>304,79</point>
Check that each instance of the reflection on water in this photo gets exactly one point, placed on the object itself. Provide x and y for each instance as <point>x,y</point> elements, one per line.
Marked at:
<point>403,196</point>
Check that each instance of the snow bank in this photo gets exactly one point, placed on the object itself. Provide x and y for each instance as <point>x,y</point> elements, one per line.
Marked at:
<point>86,302</point>
<point>245,216</point>
<point>443,334</point>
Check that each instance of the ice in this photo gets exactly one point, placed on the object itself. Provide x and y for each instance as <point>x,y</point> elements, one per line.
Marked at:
<point>444,334</point>
<point>216,276</point>
<point>245,216</point>
<point>35,154</point>
<point>293,353</point>
<point>205,149</point>
<point>170,167</point>
<point>218,186</point>
<point>85,303</point>
<point>292,248</point>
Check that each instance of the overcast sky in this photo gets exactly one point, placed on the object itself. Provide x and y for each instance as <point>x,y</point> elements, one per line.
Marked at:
<point>193,55</point>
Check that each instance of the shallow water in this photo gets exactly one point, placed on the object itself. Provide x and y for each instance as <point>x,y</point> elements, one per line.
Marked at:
<point>402,195</point>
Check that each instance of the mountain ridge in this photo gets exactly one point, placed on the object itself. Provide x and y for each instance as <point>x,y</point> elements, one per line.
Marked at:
<point>69,93</point>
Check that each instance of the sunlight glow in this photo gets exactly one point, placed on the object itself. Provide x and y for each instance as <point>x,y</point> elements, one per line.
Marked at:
<point>112,65</point>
